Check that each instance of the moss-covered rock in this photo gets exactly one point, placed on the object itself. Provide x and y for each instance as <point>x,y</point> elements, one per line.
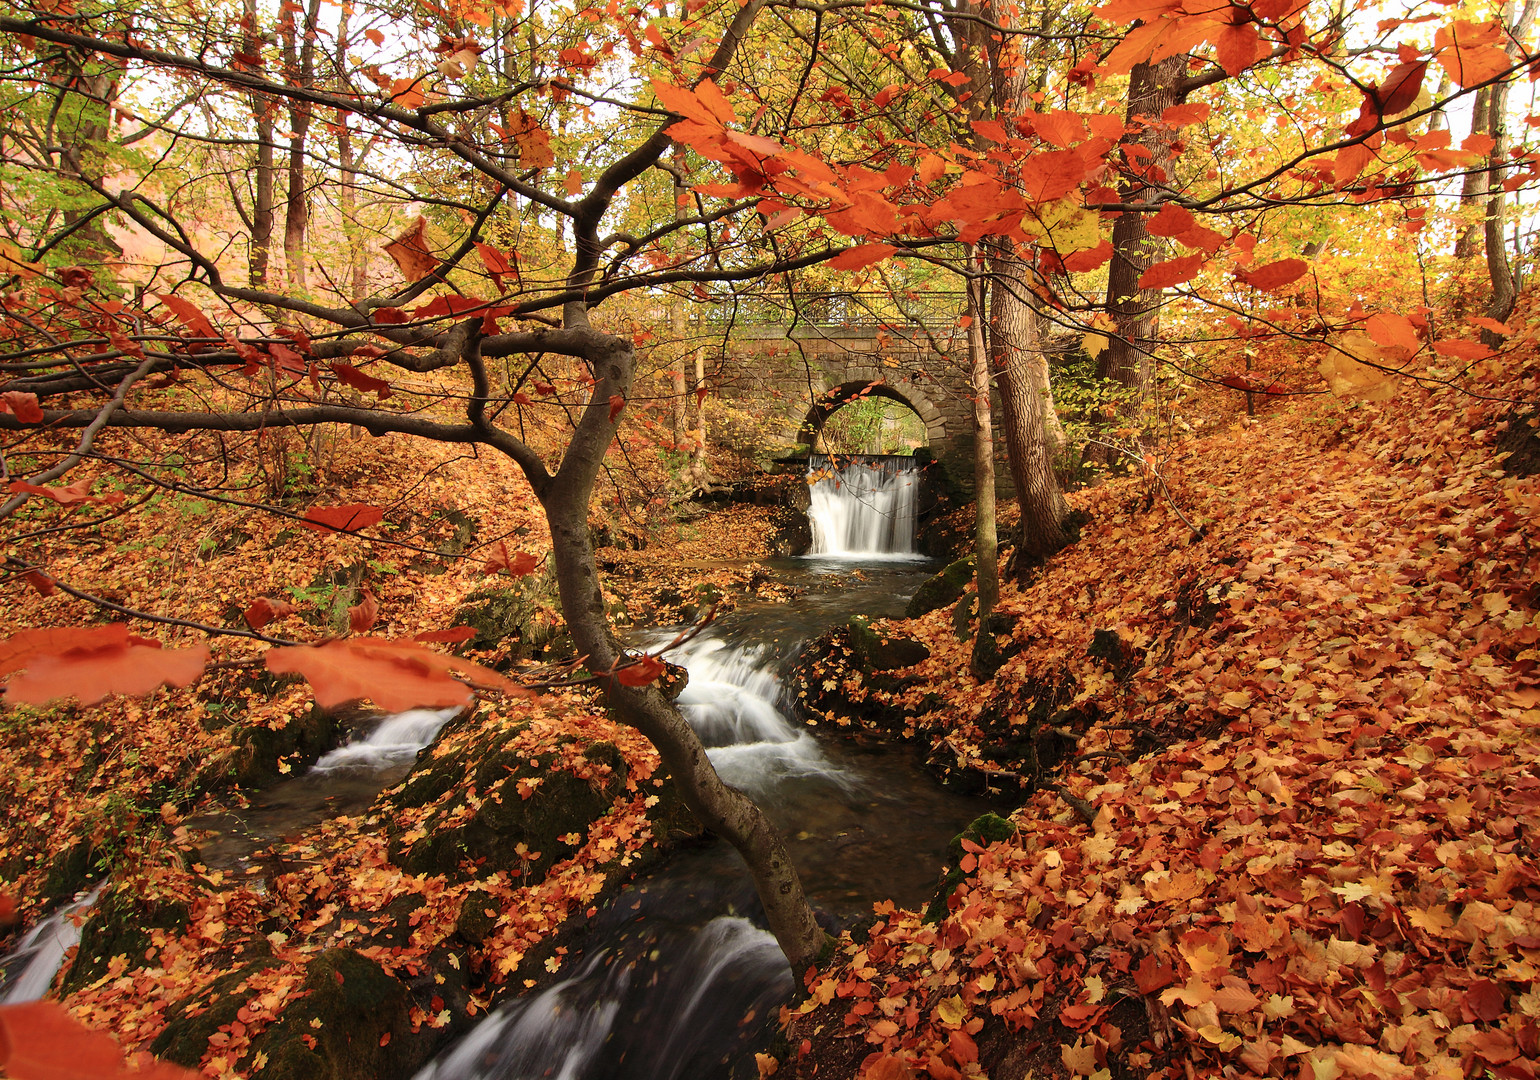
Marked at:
<point>298,743</point>
<point>343,1027</point>
<point>494,808</point>
<point>942,589</point>
<point>192,1021</point>
<point>983,830</point>
<point>120,925</point>
<point>518,615</point>
<point>884,651</point>
<point>68,872</point>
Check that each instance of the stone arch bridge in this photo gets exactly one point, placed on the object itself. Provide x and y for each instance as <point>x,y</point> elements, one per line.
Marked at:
<point>840,345</point>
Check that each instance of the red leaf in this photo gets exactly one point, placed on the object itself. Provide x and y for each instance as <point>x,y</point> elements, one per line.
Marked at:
<point>1484,1001</point>
<point>617,403</point>
<point>496,262</point>
<point>40,581</point>
<point>684,102</point>
<point>389,316</point>
<point>1461,349</point>
<point>518,564</point>
<point>411,254</point>
<point>8,913</point>
<point>1274,275</point>
<point>41,1041</point>
<point>263,611</point>
<point>24,406</point>
<point>375,36</point>
<point>395,675</point>
<point>1401,87</point>
<point>189,315</point>
<point>352,517</point>
<point>861,256</point>
<point>1151,975</point>
<point>1089,260</point>
<point>1392,330</point>
<point>362,615</point>
<point>90,663</point>
<point>645,670</point>
<point>350,375</point>
<point>1238,47</point>
<point>78,492</point>
<point>1171,272</point>
<point>1182,115</point>
<point>1492,325</point>
<point>1173,220</point>
<point>452,636</point>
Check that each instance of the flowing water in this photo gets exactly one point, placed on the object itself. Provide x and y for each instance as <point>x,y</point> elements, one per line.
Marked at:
<point>679,981</point>
<point>27,971</point>
<point>864,505</point>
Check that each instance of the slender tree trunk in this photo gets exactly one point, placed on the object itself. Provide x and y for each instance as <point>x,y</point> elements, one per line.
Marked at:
<point>1476,181</point>
<point>1504,289</point>
<point>1135,312</point>
<point>259,254</point>
<point>347,195</point>
<point>299,68</point>
<point>986,555</point>
<point>80,127</point>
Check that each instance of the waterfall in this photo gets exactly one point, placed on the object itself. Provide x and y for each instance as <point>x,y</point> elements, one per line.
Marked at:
<point>863,506</point>
<point>395,741</point>
<point>28,970</point>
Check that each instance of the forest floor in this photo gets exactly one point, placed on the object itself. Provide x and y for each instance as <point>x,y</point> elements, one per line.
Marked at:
<point>1305,739</point>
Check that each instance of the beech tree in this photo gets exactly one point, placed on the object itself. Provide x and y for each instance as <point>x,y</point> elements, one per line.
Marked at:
<point>527,173</point>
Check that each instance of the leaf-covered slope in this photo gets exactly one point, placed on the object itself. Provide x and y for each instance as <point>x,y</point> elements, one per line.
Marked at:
<point>1325,867</point>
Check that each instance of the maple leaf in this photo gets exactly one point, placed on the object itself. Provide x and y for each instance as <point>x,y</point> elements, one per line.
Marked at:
<point>362,615</point>
<point>517,564</point>
<point>39,1040</point>
<point>1171,272</point>
<point>617,404</point>
<point>352,517</point>
<point>645,670</point>
<point>395,675</point>
<point>23,406</point>
<point>90,663</point>
<point>1274,275</point>
<point>497,264</point>
<point>189,315</point>
<point>350,375</point>
<point>410,253</point>
<point>263,611</point>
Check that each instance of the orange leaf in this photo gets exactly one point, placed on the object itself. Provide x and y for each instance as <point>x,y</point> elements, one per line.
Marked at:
<point>263,611</point>
<point>78,492</point>
<point>497,264</point>
<point>362,615</point>
<point>350,375</point>
<point>1089,260</point>
<point>677,99</point>
<point>617,403</point>
<point>91,663</point>
<point>1182,115</point>
<point>1392,331</point>
<point>1171,272</point>
<point>375,36</point>
<point>411,254</point>
<point>1173,220</point>
<point>645,670</point>
<point>189,315</point>
<point>352,517</point>
<point>574,181</point>
<point>23,406</point>
<point>40,581</point>
<point>1492,325</point>
<point>1274,275</point>
<point>533,141</point>
<point>1469,52</point>
<point>395,675</point>
<point>1461,349</point>
<point>1238,47</point>
<point>518,564</point>
<point>452,636</point>
<point>861,256</point>
<point>41,1041</point>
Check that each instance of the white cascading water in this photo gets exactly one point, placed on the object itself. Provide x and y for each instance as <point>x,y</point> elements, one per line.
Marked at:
<point>863,506</point>
<point>28,970</point>
<point>395,741</point>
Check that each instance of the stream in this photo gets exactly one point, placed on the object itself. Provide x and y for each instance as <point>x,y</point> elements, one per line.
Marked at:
<point>678,979</point>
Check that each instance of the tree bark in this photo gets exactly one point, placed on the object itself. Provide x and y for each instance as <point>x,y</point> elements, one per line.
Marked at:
<point>1476,180</point>
<point>299,69</point>
<point>986,544</point>
<point>259,253</point>
<point>1499,272</point>
<point>1136,312</point>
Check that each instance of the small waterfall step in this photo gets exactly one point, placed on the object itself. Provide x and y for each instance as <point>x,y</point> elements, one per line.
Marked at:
<point>863,506</point>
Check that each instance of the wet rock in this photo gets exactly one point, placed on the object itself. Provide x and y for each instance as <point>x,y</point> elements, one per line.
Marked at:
<point>944,588</point>
<point>1521,443</point>
<point>69,872</point>
<point>881,650</point>
<point>1119,656</point>
<point>508,814</point>
<point>120,925</point>
<point>191,1021</point>
<point>983,830</point>
<point>298,743</point>
<point>517,616</point>
<point>345,1027</point>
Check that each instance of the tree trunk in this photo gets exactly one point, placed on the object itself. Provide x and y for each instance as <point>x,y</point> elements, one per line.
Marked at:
<point>78,133</point>
<point>724,810</point>
<point>1504,290</point>
<point>1476,180</point>
<point>1136,312</point>
<point>1012,343</point>
<point>347,196</point>
<point>986,554</point>
<point>299,69</point>
<point>259,254</point>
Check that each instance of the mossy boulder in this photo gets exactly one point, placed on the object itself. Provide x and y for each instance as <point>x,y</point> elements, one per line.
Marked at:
<point>298,743</point>
<point>120,925</point>
<point>518,615</point>
<point>942,589</point>
<point>983,830</point>
<point>192,1021</point>
<point>353,1023</point>
<point>882,650</point>
<point>68,872</point>
<point>495,806</point>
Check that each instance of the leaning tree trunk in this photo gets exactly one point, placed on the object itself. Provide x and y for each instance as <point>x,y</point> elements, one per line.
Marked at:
<point>1504,289</point>
<point>724,810</point>
<point>986,553</point>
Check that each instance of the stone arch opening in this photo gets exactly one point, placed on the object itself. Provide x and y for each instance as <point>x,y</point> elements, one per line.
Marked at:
<point>889,420</point>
